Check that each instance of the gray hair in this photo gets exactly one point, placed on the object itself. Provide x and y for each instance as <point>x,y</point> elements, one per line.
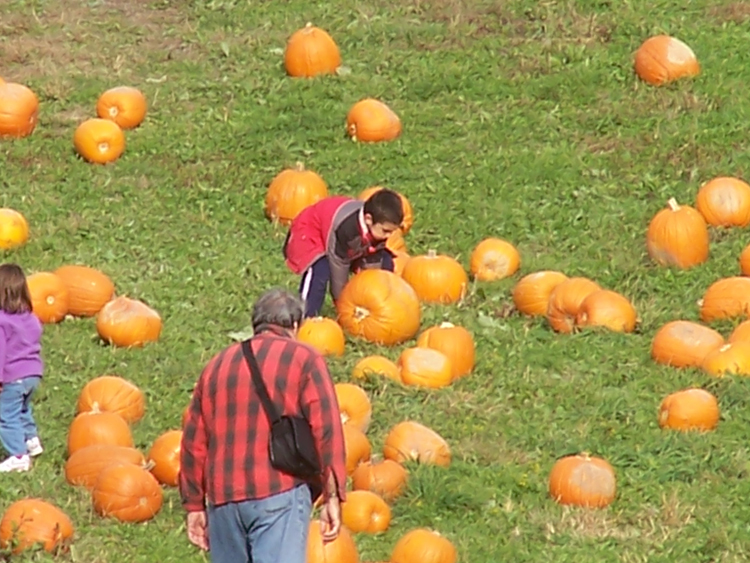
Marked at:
<point>279,307</point>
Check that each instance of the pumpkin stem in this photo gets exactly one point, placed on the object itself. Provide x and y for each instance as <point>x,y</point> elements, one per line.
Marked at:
<point>447,325</point>
<point>725,347</point>
<point>149,465</point>
<point>431,253</point>
<point>673,204</point>
<point>360,313</point>
<point>300,166</point>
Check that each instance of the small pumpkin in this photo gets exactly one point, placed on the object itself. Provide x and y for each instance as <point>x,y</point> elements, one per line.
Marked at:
<point>372,121</point>
<point>565,302</point>
<point>678,236</point>
<point>744,260</point>
<point>725,299</point>
<point>82,468</point>
<point>341,550</point>
<point>311,51</point>
<point>110,393</point>
<point>99,140</point>
<point>684,343</point>
<point>365,511</point>
<point>90,289</point>
<point>436,278</point>
<point>582,480</point>
<point>14,230</point>
<point>124,105</point>
<point>531,293</point>
<point>408,221</point>
<point>19,110</point>
<point>425,367</point>
<point>32,521</point>
<point>725,202</point>
<point>165,455</point>
<point>49,296</point>
<point>325,335</point>
<point>607,309</point>
<point>376,365</point>
<point>385,477</point>
<point>662,59</point>
<point>494,259</point>
<point>689,409</point>
<point>128,322</point>
<point>412,441</point>
<point>90,428</point>
<point>356,446</point>
<point>730,359</point>
<point>455,342</point>
<point>741,333</point>
<point>127,493</point>
<point>291,191</point>
<point>354,405</point>
<point>424,546</point>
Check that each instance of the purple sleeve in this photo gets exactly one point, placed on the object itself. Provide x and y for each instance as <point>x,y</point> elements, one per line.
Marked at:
<point>3,343</point>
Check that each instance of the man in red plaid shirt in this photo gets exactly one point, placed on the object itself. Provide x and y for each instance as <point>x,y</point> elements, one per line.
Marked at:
<point>239,506</point>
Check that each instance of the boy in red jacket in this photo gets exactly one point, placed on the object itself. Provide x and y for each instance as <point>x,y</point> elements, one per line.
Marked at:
<point>339,235</point>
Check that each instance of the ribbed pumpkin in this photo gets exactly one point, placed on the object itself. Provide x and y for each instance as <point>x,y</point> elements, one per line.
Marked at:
<point>423,546</point>
<point>89,428</point>
<point>354,405</point>
<point>165,455</point>
<point>385,477</point>
<point>678,236</point>
<point>19,110</point>
<point>372,121</point>
<point>436,278</point>
<point>124,105</point>
<point>49,296</point>
<point>494,259</point>
<point>127,493</point>
<point>357,447</point>
<point>455,342</point>
<point>291,191</point>
<point>741,333</point>
<point>325,335</point>
<point>662,59</point>
<point>531,293</point>
<point>365,511</point>
<point>311,51</point>
<point>128,322</point>
<point>729,359</point>
<point>376,366</point>
<point>689,409</point>
<point>31,521</point>
<point>379,306</point>
<point>607,309</point>
<point>425,367</point>
<point>110,393</point>
<point>341,550</point>
<point>99,140</point>
<point>565,302</point>
<point>684,343</point>
<point>82,468</point>
<point>744,261</point>
<point>412,441</point>
<point>90,289</point>
<point>725,299</point>
<point>582,480</point>
<point>408,221</point>
<point>725,202</point>
<point>14,230</point>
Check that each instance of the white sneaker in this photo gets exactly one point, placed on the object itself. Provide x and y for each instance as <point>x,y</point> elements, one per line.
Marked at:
<point>34,446</point>
<point>16,463</point>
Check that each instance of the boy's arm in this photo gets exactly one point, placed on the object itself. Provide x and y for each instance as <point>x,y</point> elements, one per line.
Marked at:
<point>339,274</point>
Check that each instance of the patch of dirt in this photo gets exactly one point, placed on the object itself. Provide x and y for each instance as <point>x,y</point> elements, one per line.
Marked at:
<point>736,12</point>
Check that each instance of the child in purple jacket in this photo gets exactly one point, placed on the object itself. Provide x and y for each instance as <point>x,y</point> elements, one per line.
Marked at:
<point>21,369</point>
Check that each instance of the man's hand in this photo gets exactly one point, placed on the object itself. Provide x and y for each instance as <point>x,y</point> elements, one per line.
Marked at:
<point>197,529</point>
<point>330,519</point>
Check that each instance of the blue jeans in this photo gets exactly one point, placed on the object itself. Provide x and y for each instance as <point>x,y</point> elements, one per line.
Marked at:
<point>16,421</point>
<point>269,530</point>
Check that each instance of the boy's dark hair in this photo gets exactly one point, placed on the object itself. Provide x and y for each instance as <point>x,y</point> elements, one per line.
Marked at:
<point>14,292</point>
<point>384,206</point>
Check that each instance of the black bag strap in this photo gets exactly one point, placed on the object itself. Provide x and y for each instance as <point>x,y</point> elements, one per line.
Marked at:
<point>270,408</point>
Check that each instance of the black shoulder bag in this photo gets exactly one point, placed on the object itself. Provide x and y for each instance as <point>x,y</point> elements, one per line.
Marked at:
<point>292,446</point>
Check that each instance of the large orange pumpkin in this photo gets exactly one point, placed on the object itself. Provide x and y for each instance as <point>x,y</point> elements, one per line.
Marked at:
<point>325,335</point>
<point>124,105</point>
<point>127,492</point>
<point>311,51</point>
<point>531,293</point>
<point>741,333</point>
<point>423,546</point>
<point>396,243</point>
<point>678,236</point>
<point>376,365</point>
<point>689,409</point>
<point>365,511</point>
<point>31,521</point>
<point>412,441</point>
<point>82,468</point>
<point>607,309</point>
<point>354,405</point>
<point>436,278</point>
<point>89,428</point>
<point>110,393</point>
<point>165,455</point>
<point>291,191</point>
<point>662,59</point>
<point>385,477</point>
<point>19,110</point>
<point>341,550</point>
<point>357,447</point>
<point>494,259</point>
<point>725,299</point>
<point>379,306</point>
<point>14,230</point>
<point>729,359</point>
<point>128,322</point>
<point>582,480</point>
<point>49,296</point>
<point>89,289</point>
<point>565,302</point>
<point>425,367</point>
<point>744,261</point>
<point>408,221</point>
<point>684,343</point>
<point>99,140</point>
<point>372,121</point>
<point>455,342</point>
<point>725,202</point>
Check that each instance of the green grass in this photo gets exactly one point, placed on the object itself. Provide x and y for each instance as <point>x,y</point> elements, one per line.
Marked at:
<point>522,120</point>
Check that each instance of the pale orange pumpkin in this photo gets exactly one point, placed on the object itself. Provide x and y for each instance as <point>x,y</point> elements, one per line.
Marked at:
<point>82,468</point>
<point>325,335</point>
<point>90,289</point>
<point>408,221</point>
<point>354,405</point>
<point>730,359</point>
<point>436,278</point>
<point>341,550</point>
<point>725,299</point>
<point>127,492</point>
<point>744,261</point>
<point>684,343</point>
<point>725,202</point>
<point>19,110</point>
<point>386,477</point>
<point>423,546</point>
<point>689,409</point>
<point>90,428</point>
<point>378,366</point>
<point>425,367</point>
<point>494,259</point>
<point>372,121</point>
<point>678,236</point>
<point>165,455</point>
<point>356,446</point>
<point>32,521</point>
<point>455,342</point>
<point>565,302</point>
<point>662,59</point>
<point>124,105</point>
<point>365,511</point>
<point>531,293</point>
<point>49,296</point>
<point>99,140</point>
<point>291,191</point>
<point>607,309</point>
<point>110,393</point>
<point>14,230</point>
<point>311,51</point>
<point>582,480</point>
<point>379,306</point>
<point>412,441</point>
<point>741,333</point>
<point>128,322</point>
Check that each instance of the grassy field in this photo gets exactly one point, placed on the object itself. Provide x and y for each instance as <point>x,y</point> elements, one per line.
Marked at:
<point>522,120</point>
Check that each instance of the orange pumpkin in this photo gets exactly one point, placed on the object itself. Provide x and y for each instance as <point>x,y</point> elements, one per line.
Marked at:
<point>565,302</point>
<point>19,110</point>
<point>165,455</point>
<point>725,202</point>
<point>341,550</point>
<point>90,428</point>
<point>684,343</point>
<point>408,221</point>
<point>582,480</point>
<point>399,263</point>
<point>99,140</point>
<point>82,468</point>
<point>89,289</point>
<point>31,521</point>
<point>110,393</point>
<point>14,230</point>
<point>127,493</point>
<point>1,81</point>
<point>725,299</point>
<point>379,306</point>
<point>49,296</point>
<point>372,121</point>
<point>690,409</point>
<point>729,359</point>
<point>411,441</point>
<point>607,309</point>
<point>662,59</point>
<point>325,335</point>
<point>124,105</point>
<point>425,367</point>
<point>744,260</point>
<point>531,293</point>
<point>436,278</point>
<point>354,405</point>
<point>678,236</point>
<point>376,365</point>
<point>311,51</point>
<point>128,322</point>
<point>455,342</point>
<point>386,477</point>
<point>364,511</point>
<point>357,447</point>
<point>185,414</point>
<point>741,333</point>
<point>291,191</point>
<point>396,242</point>
<point>424,546</point>
<point>494,259</point>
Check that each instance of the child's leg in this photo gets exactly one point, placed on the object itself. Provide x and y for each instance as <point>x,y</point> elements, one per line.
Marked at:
<point>313,286</point>
<point>386,260</point>
<point>27,419</point>
<point>11,426</point>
